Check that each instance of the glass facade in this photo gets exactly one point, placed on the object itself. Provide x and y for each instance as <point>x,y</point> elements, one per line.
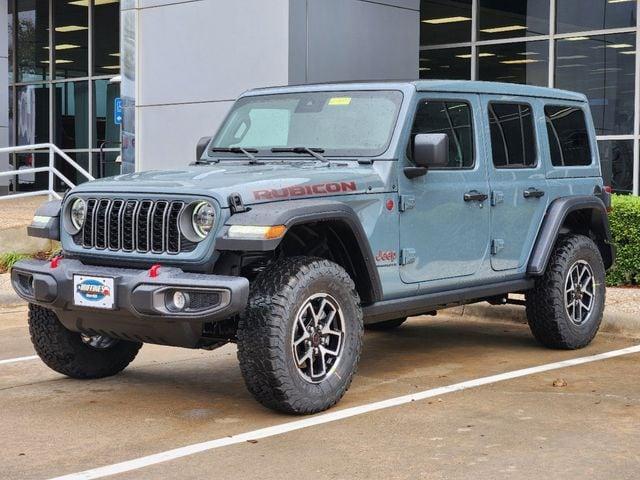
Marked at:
<point>62,55</point>
<point>589,46</point>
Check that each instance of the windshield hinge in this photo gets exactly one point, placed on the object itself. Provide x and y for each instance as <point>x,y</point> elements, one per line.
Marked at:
<point>236,204</point>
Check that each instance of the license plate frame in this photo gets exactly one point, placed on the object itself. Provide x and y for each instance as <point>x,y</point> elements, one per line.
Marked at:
<point>94,291</point>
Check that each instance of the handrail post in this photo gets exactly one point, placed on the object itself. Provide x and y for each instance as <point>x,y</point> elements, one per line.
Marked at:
<point>52,158</point>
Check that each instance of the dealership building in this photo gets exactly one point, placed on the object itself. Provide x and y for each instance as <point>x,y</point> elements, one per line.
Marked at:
<point>133,84</point>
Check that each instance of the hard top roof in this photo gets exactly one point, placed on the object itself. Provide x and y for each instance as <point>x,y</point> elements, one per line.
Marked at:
<point>453,86</point>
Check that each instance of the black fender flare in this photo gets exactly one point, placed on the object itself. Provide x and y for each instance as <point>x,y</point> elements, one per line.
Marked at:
<point>554,219</point>
<point>297,212</point>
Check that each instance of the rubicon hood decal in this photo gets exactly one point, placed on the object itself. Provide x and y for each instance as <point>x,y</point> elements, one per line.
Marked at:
<point>305,190</point>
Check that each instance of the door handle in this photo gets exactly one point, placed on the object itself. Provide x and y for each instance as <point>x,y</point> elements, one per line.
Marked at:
<point>532,193</point>
<point>475,196</point>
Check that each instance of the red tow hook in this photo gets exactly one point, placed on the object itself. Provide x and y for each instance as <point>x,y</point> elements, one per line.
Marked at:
<point>55,261</point>
<point>154,271</point>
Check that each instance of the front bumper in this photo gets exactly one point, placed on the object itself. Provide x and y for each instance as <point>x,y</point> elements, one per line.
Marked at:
<point>140,311</point>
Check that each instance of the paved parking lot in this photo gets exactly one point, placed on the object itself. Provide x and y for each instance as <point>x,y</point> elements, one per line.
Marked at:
<point>168,398</point>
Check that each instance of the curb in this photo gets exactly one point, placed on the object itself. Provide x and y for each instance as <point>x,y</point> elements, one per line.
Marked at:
<point>612,322</point>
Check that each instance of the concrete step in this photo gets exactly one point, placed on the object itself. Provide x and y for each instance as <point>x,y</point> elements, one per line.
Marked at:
<point>15,216</point>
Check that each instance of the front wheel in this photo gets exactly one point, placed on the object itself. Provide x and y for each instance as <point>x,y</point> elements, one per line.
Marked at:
<point>300,339</point>
<point>564,309</point>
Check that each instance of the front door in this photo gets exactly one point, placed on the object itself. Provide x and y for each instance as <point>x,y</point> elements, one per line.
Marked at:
<point>517,179</point>
<point>444,219</point>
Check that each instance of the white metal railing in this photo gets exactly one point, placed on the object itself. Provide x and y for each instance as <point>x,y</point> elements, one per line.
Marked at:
<point>51,169</point>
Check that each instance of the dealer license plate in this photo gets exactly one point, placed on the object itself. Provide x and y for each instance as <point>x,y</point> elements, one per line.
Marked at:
<point>96,292</point>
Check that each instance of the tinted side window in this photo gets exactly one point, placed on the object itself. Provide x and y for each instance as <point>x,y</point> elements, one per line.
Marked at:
<point>512,138</point>
<point>453,119</point>
<point>568,136</point>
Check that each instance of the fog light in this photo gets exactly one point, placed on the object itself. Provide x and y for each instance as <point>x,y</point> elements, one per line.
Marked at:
<point>177,301</point>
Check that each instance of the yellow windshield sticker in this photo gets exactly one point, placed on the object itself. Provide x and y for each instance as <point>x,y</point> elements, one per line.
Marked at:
<point>340,101</point>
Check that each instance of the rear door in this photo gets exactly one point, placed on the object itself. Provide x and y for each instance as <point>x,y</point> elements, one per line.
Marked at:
<point>516,176</point>
<point>443,233</point>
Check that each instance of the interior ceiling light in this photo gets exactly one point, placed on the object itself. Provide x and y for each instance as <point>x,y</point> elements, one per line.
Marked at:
<point>111,67</point>
<point>528,53</point>
<point>114,54</point>
<point>70,28</point>
<point>521,61</point>
<point>572,57</point>
<point>628,52</point>
<point>64,46</point>
<point>620,45</point>
<point>60,60</point>
<point>576,39</point>
<point>481,55</point>
<point>508,28</point>
<point>441,21</point>
<point>85,3</point>
<point>424,69</point>
<point>620,1</point>
<point>572,65</point>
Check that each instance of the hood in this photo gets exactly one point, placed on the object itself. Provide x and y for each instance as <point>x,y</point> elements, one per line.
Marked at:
<point>261,183</point>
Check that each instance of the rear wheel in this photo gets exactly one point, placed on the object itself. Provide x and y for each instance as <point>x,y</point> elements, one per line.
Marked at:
<point>386,325</point>
<point>300,338</point>
<point>564,309</point>
<point>74,354</point>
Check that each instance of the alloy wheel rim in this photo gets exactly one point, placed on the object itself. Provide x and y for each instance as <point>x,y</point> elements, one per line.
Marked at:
<point>579,292</point>
<point>99,342</point>
<point>318,337</point>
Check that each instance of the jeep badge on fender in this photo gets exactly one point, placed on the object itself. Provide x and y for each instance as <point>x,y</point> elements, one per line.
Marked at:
<point>318,211</point>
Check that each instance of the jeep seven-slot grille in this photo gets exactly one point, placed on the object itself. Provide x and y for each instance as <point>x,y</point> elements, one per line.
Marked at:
<point>145,226</point>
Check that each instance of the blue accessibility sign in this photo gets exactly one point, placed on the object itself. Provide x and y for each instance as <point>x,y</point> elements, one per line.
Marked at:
<point>117,111</point>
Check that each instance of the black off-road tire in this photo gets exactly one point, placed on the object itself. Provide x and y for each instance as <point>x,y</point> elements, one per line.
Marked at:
<point>386,325</point>
<point>64,351</point>
<point>547,315</point>
<point>265,335</point>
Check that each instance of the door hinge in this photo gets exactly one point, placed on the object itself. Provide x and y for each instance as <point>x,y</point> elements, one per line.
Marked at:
<point>407,202</point>
<point>496,197</point>
<point>407,256</point>
<point>497,244</point>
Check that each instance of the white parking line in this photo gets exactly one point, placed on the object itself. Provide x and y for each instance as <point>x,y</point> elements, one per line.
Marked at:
<point>333,416</point>
<point>18,359</point>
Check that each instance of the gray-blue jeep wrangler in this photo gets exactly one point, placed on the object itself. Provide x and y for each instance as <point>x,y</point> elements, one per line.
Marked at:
<point>317,211</point>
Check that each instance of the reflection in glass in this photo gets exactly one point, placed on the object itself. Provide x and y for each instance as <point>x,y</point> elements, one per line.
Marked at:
<point>515,18</point>
<point>106,38</point>
<point>71,39</point>
<point>105,130</point>
<point>32,114</point>
<point>32,40</point>
<point>584,15</point>
<point>30,182</point>
<point>446,63</point>
<point>71,115</point>
<point>10,41</point>
<point>445,21</point>
<point>12,137</point>
<point>603,68</point>
<point>616,157</point>
<point>82,158</point>
<point>106,165</point>
<point>522,62</point>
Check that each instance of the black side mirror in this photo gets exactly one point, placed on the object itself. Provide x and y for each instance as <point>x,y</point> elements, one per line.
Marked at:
<point>202,146</point>
<point>430,150</point>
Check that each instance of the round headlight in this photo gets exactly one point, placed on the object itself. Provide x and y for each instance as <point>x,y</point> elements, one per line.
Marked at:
<point>78,213</point>
<point>203,219</point>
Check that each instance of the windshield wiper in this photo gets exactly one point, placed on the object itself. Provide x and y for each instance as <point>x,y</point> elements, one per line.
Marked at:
<point>314,152</point>
<point>249,152</point>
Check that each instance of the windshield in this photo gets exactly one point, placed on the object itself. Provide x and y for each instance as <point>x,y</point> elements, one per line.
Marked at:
<point>356,123</point>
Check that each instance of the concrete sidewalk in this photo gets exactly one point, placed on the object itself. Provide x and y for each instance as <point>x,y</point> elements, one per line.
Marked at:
<point>15,215</point>
<point>621,314</point>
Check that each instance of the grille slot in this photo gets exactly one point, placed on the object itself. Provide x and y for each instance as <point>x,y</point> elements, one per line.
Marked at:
<point>143,226</point>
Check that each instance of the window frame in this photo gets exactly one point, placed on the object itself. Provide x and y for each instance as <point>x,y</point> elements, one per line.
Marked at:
<point>537,162</point>
<point>586,126</point>
<point>474,142</point>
